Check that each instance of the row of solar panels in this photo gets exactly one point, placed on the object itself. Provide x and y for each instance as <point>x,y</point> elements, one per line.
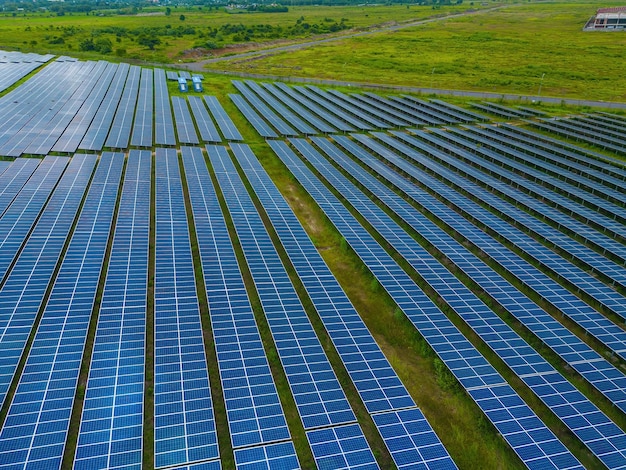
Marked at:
<point>70,105</point>
<point>274,110</point>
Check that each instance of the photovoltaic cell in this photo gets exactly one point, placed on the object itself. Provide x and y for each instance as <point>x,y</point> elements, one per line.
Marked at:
<point>119,135</point>
<point>601,436</point>
<point>184,123</point>
<point>279,456</point>
<point>14,178</point>
<point>184,425</point>
<point>341,447</point>
<point>208,131</point>
<point>111,428</point>
<point>163,123</point>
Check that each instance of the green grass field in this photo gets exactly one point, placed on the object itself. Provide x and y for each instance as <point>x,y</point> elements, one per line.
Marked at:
<point>41,32</point>
<point>508,50</point>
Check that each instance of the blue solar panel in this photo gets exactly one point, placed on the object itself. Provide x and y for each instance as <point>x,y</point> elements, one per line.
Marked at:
<point>594,215</point>
<point>142,127</point>
<point>184,123</point>
<point>284,112</point>
<point>542,254</point>
<point>206,127</point>
<point>388,118</point>
<point>263,111</point>
<point>282,97</point>
<point>23,212</point>
<point>36,425</point>
<point>280,456</point>
<point>99,128</point>
<point>411,440</point>
<point>352,114</point>
<point>119,135</point>
<point>581,357</point>
<point>253,409</point>
<point>14,178</point>
<point>253,117</point>
<point>184,425</point>
<point>333,305</point>
<point>314,108</point>
<point>111,428</point>
<point>224,122</point>
<point>341,447</point>
<point>523,360</point>
<point>163,122</point>
<point>72,136</point>
<point>318,395</point>
<point>474,373</point>
<point>24,289</point>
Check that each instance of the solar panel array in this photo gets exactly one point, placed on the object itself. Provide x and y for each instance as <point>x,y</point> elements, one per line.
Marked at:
<point>35,428</point>
<point>527,363</point>
<point>110,368</point>
<point>184,425</point>
<point>111,429</point>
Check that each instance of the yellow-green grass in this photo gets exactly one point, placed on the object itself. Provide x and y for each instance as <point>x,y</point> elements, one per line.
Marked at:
<point>36,31</point>
<point>508,50</point>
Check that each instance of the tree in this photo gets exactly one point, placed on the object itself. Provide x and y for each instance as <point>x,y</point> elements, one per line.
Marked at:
<point>149,41</point>
<point>181,17</point>
<point>168,11</point>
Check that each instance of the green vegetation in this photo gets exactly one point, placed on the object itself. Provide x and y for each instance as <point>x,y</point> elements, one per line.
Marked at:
<point>508,50</point>
<point>186,33</point>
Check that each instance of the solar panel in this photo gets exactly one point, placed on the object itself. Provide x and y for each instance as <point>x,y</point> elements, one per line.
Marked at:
<point>99,128</point>
<point>224,122</point>
<point>119,135</point>
<point>208,131</point>
<point>341,447</point>
<point>288,115</point>
<point>264,112</point>
<point>253,409</point>
<point>23,212</point>
<point>512,417</point>
<point>184,124</point>
<point>372,376</point>
<point>314,108</point>
<point>111,429</point>
<point>77,128</point>
<point>163,123</point>
<point>37,422</point>
<point>253,117</point>
<point>352,114</point>
<point>14,178</point>
<point>391,118</point>
<point>142,127</point>
<point>563,242</point>
<point>569,347</point>
<point>301,110</point>
<point>411,440</point>
<point>280,456</point>
<point>184,425</point>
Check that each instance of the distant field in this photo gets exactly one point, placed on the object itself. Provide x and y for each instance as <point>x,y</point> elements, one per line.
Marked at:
<point>504,51</point>
<point>64,34</point>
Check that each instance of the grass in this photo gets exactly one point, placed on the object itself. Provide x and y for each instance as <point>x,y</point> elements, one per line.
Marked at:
<point>39,31</point>
<point>507,50</point>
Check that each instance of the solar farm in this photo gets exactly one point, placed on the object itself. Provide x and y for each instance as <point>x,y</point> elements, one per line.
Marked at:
<point>141,235</point>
